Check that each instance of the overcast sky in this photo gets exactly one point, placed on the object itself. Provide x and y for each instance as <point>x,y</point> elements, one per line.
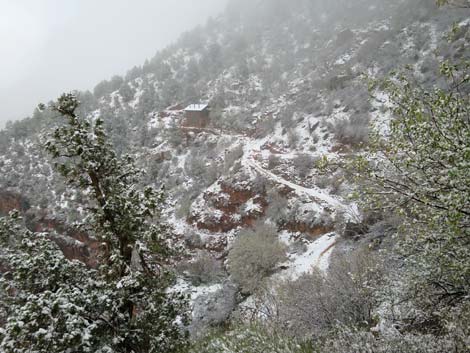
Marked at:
<point>51,46</point>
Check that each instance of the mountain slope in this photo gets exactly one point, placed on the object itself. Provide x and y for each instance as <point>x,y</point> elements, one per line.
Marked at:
<point>286,86</point>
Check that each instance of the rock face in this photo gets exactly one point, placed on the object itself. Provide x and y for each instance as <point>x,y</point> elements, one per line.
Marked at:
<point>231,208</point>
<point>75,244</point>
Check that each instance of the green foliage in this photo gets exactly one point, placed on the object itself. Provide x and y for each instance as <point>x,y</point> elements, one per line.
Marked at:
<point>421,171</point>
<point>119,210</point>
<point>56,305</point>
<point>250,339</point>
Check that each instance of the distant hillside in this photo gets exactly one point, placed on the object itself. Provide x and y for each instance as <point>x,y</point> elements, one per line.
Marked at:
<point>286,83</point>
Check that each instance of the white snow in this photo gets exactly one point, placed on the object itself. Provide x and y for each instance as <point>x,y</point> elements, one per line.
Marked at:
<point>316,193</point>
<point>343,59</point>
<point>317,255</point>
<point>251,207</point>
<point>193,292</point>
<point>381,119</point>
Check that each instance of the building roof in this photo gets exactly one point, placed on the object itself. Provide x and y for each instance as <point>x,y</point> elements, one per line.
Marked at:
<point>196,107</point>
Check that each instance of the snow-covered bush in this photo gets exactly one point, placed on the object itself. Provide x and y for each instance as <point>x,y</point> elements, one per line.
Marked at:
<point>53,304</point>
<point>292,138</point>
<point>273,161</point>
<point>348,340</point>
<point>203,269</point>
<point>213,310</point>
<point>353,131</point>
<point>254,255</point>
<point>193,240</point>
<point>183,208</point>
<point>333,181</point>
<point>266,126</point>
<point>315,303</point>
<point>286,117</point>
<point>304,163</point>
<point>277,206</point>
<point>298,247</point>
<point>232,156</point>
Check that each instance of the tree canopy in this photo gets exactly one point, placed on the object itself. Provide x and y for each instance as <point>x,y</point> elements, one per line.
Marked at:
<point>421,171</point>
<point>52,304</point>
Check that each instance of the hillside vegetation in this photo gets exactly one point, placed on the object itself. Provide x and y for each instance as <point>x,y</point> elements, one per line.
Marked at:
<point>323,208</point>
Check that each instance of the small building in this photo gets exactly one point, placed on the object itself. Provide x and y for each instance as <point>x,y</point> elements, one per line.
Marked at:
<point>196,115</point>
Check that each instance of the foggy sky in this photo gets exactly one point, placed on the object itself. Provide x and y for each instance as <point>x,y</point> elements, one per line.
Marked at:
<point>51,46</point>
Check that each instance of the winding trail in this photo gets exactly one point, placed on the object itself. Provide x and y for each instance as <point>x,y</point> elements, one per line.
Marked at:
<point>319,251</point>
<point>316,193</point>
<point>351,212</point>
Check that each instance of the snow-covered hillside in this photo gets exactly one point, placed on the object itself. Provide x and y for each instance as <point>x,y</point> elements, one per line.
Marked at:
<point>285,96</point>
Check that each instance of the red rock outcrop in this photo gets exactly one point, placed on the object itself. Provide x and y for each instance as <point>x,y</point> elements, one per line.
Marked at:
<point>230,206</point>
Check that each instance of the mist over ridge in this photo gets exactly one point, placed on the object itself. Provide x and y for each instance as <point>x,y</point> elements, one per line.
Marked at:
<point>53,46</point>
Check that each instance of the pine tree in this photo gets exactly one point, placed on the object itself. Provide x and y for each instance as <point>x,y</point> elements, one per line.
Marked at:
<point>57,305</point>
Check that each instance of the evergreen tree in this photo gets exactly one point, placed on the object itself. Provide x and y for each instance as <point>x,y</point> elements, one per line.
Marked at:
<point>52,304</point>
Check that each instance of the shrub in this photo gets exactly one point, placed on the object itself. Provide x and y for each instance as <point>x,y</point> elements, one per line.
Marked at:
<point>193,240</point>
<point>250,339</point>
<point>195,165</point>
<point>315,303</point>
<point>292,138</point>
<point>273,161</point>
<point>266,126</point>
<point>287,118</point>
<point>204,269</point>
<point>356,341</point>
<point>277,208</point>
<point>213,309</point>
<point>304,163</point>
<point>254,255</point>
<point>353,131</point>
<point>298,247</point>
<point>183,209</point>
<point>232,156</point>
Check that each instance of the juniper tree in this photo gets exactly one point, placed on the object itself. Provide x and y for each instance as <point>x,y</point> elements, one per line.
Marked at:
<point>57,305</point>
